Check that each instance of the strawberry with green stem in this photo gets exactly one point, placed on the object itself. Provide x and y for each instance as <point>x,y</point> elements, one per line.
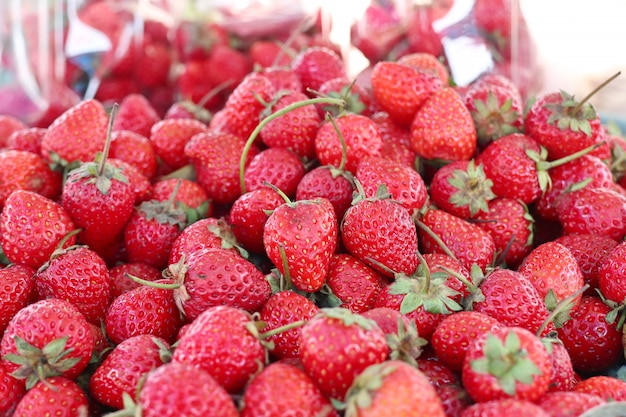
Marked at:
<point>57,395</point>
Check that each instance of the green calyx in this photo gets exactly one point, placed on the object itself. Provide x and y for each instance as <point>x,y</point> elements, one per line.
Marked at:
<point>224,232</point>
<point>347,317</point>
<point>494,120</point>
<point>570,114</point>
<point>364,387</point>
<point>474,188</point>
<point>406,345</point>
<point>100,173</point>
<point>507,361</point>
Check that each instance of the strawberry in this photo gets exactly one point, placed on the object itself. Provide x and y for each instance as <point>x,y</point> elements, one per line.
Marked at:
<point>216,158</point>
<point>121,283</point>
<point>392,387</point>
<point>464,240</point>
<point>77,135</point>
<point>606,387</point>
<point>226,66</point>
<point>62,343</point>
<point>551,267</point>
<point>592,343</point>
<point>454,399</point>
<point>506,362</point>
<point>196,92</point>
<point>316,65</point>
<point>283,308</point>
<point>456,332</point>
<point>166,392</point>
<point>378,30</point>
<point>80,276</point>
<point>512,406</point>
<point>134,149</point>
<point>248,215</point>
<point>57,395</point>
<point>26,214</point>
<point>361,137</point>
<point>334,184</point>
<point>563,374</point>
<point>611,273</point>
<point>358,98</point>
<point>461,188</point>
<point>404,184</point>
<point>283,79</point>
<point>353,282</point>
<point>190,196</point>
<point>387,319</point>
<point>18,286</point>
<point>138,182</point>
<point>389,130</point>
<point>496,106</point>
<point>28,140</point>
<point>593,210</point>
<point>12,391</point>
<point>357,344</point>
<point>401,90</point>
<point>437,373</point>
<point>281,386</point>
<point>143,310</point>
<point>169,137</point>
<point>22,170</point>
<point>124,367</point>
<point>220,341</point>
<point>568,403</point>
<point>428,62</point>
<point>136,115</point>
<point>300,239</point>
<point>9,125</point>
<point>277,166</point>
<point>266,53</point>
<point>443,128</point>
<point>381,233</point>
<point>155,60</point>
<point>420,33</point>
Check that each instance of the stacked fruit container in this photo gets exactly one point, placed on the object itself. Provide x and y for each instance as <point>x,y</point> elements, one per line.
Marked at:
<point>272,208</point>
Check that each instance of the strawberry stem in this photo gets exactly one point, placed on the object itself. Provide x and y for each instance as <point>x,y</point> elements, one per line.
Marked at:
<point>152,283</point>
<point>564,306</point>
<point>594,91</point>
<point>342,140</point>
<point>282,329</point>
<point>107,143</point>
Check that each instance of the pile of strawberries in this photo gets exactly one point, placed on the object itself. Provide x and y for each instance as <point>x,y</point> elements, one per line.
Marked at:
<point>394,247</point>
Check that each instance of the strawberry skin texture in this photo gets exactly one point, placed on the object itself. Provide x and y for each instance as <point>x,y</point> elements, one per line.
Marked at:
<point>120,283</point>
<point>508,406</point>
<point>317,64</point>
<point>57,396</point>
<point>25,215</point>
<point>135,114</point>
<point>205,233</point>
<point>168,393</point>
<point>324,182</point>
<point>134,149</point>
<point>443,128</point>
<point>611,274</point>
<point>277,166</point>
<point>606,387</point>
<point>169,137</point>
<point>569,403</point>
<point>280,387</point>
<point>12,391</point>
<point>308,232</point>
<point>18,290</point>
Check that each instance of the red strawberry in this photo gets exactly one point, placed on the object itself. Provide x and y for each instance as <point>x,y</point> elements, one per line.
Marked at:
<point>593,343</point>
<point>121,283</point>
<point>12,391</point>
<point>512,406</point>
<point>332,183</point>
<point>387,319</point>
<point>283,79</point>
<point>377,31</point>
<point>300,239</point>
<point>226,66</point>
<point>143,310</point>
<point>26,214</point>
<point>195,88</point>
<point>56,396</point>
<point>401,90</point>
<point>506,362</point>
<point>9,125</point>
<point>47,338</point>
<point>393,387</point>
<point>281,386</point>
<point>169,137</point>
<point>135,114</point>
<point>189,195</point>
<point>153,64</point>
<point>606,387</point>
<point>124,368</point>
<point>208,233</point>
<point>277,166</point>
<point>358,99</point>
<point>22,170</point>
<point>563,374</point>
<point>283,308</point>
<point>216,158</point>
<point>421,35</point>
<point>316,65</point>
<point>28,140</point>
<point>269,54</point>
<point>357,344</point>
<point>566,403</point>
<point>380,232</point>
<point>361,137</point>
<point>138,182</point>
<point>443,128</point>
<point>428,62</point>
<point>18,291</point>
<point>135,149</point>
<point>167,392</point>
<point>221,343</point>
<point>611,274</point>
<point>77,135</point>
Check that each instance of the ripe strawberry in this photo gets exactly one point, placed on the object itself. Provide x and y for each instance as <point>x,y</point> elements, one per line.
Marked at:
<point>169,137</point>
<point>393,388</point>
<point>124,368</point>
<point>428,62</point>
<point>12,391</point>
<point>456,332</point>
<point>563,374</point>
<point>437,373</point>
<point>464,240</point>
<point>266,53</point>
<point>404,184</point>
<point>570,403</point>
<point>283,79</point>
<point>121,283</point>
<point>28,140</point>
<point>136,114</point>
<point>420,33</point>
<point>47,338</point>
<point>593,343</point>
<point>195,88</point>
<point>300,238</point>
<point>153,64</point>
<point>443,128</point>
<point>357,344</point>
<point>378,31</point>
<point>77,135</point>
<point>381,233</point>
<point>506,362</point>
<point>167,392</point>
<point>18,291</point>
<point>138,182</point>
<point>135,149</point>
<point>316,65</point>
<point>401,90</point>
<point>22,170</point>
<point>9,125</point>
<point>143,310</point>
<point>361,137</point>
<point>216,158</point>
<point>221,342</point>
<point>211,233</point>
<point>334,184</point>
<point>226,66</point>
<point>277,166</point>
<point>389,130</point>
<point>611,274</point>
<point>387,319</point>
<point>56,396</point>
<point>606,387</point>
<point>294,130</point>
<point>358,99</point>
<point>512,406</point>
<point>248,215</point>
<point>593,210</point>
<point>151,231</point>
<point>27,214</point>
<point>281,386</point>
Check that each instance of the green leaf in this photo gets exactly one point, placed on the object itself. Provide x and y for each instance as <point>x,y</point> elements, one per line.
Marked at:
<point>410,303</point>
